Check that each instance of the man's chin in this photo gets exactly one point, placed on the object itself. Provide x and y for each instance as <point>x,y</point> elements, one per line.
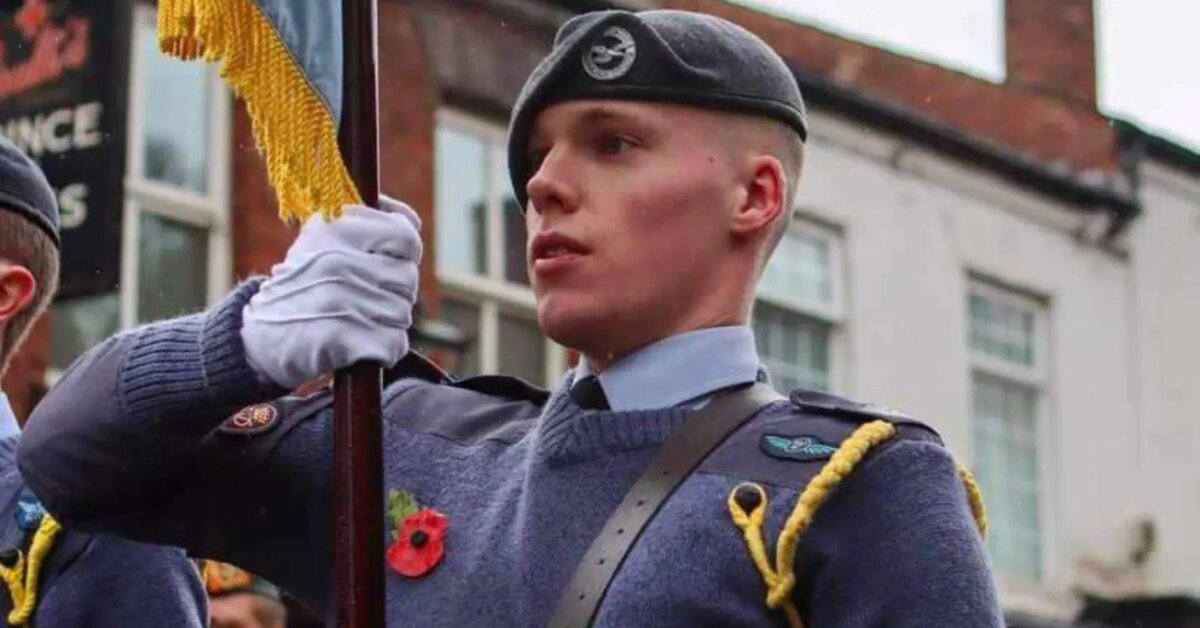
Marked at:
<point>574,326</point>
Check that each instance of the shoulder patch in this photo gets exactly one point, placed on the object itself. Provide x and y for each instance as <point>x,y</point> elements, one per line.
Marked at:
<point>832,405</point>
<point>805,448</point>
<point>788,445</point>
<point>251,420</point>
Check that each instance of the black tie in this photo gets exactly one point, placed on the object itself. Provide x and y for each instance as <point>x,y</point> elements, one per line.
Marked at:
<point>588,394</point>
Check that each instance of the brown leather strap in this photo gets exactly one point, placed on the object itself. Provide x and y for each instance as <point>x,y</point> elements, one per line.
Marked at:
<point>683,451</point>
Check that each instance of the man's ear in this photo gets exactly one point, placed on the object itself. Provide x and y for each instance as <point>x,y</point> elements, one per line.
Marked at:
<point>17,286</point>
<point>764,199</point>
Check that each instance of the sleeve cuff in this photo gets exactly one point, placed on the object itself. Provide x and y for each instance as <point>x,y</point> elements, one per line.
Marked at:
<point>197,359</point>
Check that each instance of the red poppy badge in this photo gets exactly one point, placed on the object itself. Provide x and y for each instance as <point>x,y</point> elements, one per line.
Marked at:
<point>418,535</point>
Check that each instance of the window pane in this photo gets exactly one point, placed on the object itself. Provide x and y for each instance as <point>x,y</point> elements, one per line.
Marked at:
<point>801,270</point>
<point>794,348</point>
<point>465,317</point>
<point>174,115</point>
<point>461,200</point>
<point>172,268</point>
<point>513,219</point>
<point>80,324</point>
<point>1002,330</point>
<point>1004,437</point>
<point>522,350</point>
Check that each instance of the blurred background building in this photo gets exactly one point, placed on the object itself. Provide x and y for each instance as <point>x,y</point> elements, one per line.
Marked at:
<point>993,255</point>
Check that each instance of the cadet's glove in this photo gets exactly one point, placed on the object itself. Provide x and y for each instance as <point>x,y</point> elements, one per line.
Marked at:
<point>343,294</point>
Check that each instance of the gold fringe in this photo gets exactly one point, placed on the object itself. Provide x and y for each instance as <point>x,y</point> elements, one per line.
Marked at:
<point>294,130</point>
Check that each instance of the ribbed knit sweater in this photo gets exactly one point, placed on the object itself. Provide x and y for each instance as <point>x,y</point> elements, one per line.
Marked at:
<point>127,444</point>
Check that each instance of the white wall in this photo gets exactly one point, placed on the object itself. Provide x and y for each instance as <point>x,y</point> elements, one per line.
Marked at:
<point>1165,243</point>
<point>916,225</point>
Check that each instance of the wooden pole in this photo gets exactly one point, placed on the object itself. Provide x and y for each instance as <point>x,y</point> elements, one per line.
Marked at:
<point>357,425</point>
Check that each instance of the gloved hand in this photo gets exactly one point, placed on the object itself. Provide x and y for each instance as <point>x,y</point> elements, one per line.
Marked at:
<point>343,294</point>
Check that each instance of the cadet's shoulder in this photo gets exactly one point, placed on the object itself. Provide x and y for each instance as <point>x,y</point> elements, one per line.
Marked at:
<point>423,398</point>
<point>789,442</point>
<point>417,396</point>
<point>170,587</point>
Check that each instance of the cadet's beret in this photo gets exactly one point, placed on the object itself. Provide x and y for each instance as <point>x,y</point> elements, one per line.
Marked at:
<point>24,189</point>
<point>666,56</point>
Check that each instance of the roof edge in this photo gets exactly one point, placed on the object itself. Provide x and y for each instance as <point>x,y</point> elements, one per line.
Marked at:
<point>1086,191</point>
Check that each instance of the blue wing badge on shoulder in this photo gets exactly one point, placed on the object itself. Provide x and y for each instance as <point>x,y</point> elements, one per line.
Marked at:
<point>804,448</point>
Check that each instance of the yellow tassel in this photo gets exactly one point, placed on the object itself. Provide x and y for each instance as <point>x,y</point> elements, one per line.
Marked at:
<point>22,578</point>
<point>295,131</point>
<point>975,498</point>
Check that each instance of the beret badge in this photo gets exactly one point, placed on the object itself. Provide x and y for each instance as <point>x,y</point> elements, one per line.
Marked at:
<point>611,55</point>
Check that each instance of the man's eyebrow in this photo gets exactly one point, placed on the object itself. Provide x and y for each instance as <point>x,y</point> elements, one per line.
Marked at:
<point>606,114</point>
<point>597,114</point>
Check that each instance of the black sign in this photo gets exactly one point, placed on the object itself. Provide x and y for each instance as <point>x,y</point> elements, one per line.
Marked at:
<point>64,69</point>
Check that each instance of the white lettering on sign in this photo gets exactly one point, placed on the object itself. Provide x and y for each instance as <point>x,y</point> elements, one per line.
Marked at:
<point>72,205</point>
<point>57,132</point>
<point>87,125</point>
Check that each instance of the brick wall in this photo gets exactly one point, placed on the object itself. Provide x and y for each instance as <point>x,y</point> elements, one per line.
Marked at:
<point>1045,110</point>
<point>1050,49</point>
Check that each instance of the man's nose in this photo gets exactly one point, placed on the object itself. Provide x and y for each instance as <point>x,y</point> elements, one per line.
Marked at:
<point>552,187</point>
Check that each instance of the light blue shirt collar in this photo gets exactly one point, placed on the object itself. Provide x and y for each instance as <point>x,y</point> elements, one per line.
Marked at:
<point>679,369</point>
<point>8,420</point>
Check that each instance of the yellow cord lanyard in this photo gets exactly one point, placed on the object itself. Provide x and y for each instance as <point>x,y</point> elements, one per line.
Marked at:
<point>21,572</point>
<point>748,507</point>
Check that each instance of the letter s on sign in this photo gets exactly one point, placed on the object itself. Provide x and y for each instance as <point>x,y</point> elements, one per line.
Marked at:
<point>72,203</point>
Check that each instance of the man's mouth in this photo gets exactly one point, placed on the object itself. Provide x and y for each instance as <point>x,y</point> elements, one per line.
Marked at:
<point>550,246</point>
<point>553,252</point>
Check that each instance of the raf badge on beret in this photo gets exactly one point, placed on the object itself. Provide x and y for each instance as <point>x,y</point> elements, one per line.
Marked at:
<point>611,55</point>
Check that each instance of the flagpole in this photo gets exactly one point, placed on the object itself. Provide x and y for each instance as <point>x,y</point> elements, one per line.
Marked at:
<point>357,426</point>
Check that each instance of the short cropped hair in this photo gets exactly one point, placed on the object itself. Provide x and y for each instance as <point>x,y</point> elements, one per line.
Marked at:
<point>768,136</point>
<point>25,244</point>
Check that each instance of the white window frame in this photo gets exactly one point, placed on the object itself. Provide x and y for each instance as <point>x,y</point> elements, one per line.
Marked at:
<point>209,211</point>
<point>491,292</point>
<point>1036,376</point>
<point>832,314</point>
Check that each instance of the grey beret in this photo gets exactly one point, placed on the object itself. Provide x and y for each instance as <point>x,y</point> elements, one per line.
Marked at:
<point>25,190</point>
<point>664,56</point>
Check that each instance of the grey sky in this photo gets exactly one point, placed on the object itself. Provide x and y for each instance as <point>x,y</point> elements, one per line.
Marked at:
<point>1147,49</point>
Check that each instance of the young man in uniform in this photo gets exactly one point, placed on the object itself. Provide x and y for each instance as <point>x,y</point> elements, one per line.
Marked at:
<point>54,577</point>
<point>656,155</point>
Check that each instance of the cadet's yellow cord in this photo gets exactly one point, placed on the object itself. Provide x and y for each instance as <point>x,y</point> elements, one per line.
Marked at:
<point>975,498</point>
<point>780,580</point>
<point>22,578</point>
<point>816,493</point>
<point>751,525</point>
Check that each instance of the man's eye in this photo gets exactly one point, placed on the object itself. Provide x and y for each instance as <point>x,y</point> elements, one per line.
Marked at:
<point>614,144</point>
<point>536,158</point>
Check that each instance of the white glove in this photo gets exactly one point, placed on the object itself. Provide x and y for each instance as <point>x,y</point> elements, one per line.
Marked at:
<point>343,294</point>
